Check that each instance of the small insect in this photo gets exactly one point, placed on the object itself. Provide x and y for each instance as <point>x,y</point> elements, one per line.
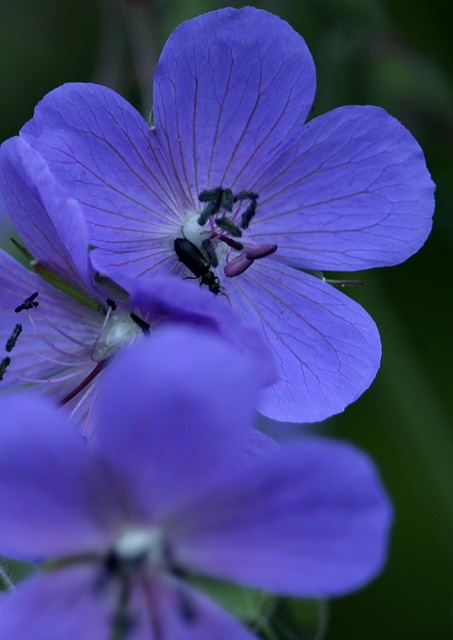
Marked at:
<point>191,257</point>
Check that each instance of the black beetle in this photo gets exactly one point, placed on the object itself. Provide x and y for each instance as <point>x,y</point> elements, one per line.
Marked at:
<point>191,257</point>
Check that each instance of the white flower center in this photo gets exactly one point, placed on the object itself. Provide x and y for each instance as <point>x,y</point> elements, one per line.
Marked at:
<point>146,543</point>
<point>120,330</point>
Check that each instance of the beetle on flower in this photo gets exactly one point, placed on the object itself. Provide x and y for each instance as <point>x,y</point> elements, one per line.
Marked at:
<point>231,166</point>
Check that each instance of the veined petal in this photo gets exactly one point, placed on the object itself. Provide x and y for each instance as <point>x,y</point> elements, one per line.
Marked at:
<point>229,87</point>
<point>59,340</point>
<point>53,500</point>
<point>65,604</point>
<point>48,220</point>
<point>172,411</point>
<point>352,192</point>
<point>326,347</point>
<point>312,519</point>
<point>171,300</point>
<point>105,154</point>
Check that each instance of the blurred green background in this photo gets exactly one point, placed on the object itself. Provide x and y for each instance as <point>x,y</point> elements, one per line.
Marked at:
<point>393,53</point>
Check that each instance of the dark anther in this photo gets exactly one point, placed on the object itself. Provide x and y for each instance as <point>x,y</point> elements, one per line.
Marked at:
<point>187,609</point>
<point>227,200</point>
<point>248,214</point>
<point>226,225</point>
<point>111,303</point>
<point>11,342</point>
<point>144,326</point>
<point>246,195</point>
<point>213,197</point>
<point>262,251</point>
<point>209,251</point>
<point>28,303</point>
<point>4,364</point>
<point>234,244</point>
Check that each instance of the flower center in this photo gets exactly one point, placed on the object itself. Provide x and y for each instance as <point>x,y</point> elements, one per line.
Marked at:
<point>215,235</point>
<point>65,353</point>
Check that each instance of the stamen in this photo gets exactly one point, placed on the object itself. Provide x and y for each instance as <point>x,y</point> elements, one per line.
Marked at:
<point>4,364</point>
<point>81,401</point>
<point>28,303</point>
<point>248,214</point>
<point>55,380</point>
<point>209,251</point>
<point>214,198</point>
<point>234,244</point>
<point>237,266</point>
<point>111,303</point>
<point>227,200</point>
<point>144,326</point>
<point>53,346</point>
<point>227,225</point>
<point>90,377</point>
<point>11,342</point>
<point>261,252</point>
<point>246,195</point>
<point>211,195</point>
<point>101,331</point>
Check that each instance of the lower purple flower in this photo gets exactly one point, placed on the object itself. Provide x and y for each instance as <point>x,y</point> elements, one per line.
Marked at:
<point>162,493</point>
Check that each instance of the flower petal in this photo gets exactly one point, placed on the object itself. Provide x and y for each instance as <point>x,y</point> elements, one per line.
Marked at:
<point>58,344</point>
<point>64,604</point>
<point>184,614</point>
<point>171,300</point>
<point>49,221</point>
<point>311,520</point>
<point>53,500</point>
<point>172,411</point>
<point>230,85</point>
<point>326,346</point>
<point>104,154</point>
<point>351,192</point>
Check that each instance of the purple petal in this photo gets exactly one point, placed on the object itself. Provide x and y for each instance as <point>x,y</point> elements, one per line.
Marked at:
<point>351,192</point>
<point>311,520</point>
<point>53,500</point>
<point>104,153</point>
<point>49,221</point>
<point>53,606</point>
<point>230,85</point>
<point>172,411</point>
<point>58,345</point>
<point>181,613</point>
<point>173,301</point>
<point>326,347</point>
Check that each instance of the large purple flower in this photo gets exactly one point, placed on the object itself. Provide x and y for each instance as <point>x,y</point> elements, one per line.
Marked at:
<point>251,194</point>
<point>59,324</point>
<point>162,492</point>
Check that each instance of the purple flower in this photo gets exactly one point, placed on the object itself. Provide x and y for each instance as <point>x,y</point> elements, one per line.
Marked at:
<point>61,324</point>
<point>161,493</point>
<point>230,168</point>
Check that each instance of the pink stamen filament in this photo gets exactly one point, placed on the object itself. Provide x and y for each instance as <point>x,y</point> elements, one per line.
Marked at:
<point>54,380</point>
<point>90,377</point>
<point>101,331</point>
<point>59,330</point>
